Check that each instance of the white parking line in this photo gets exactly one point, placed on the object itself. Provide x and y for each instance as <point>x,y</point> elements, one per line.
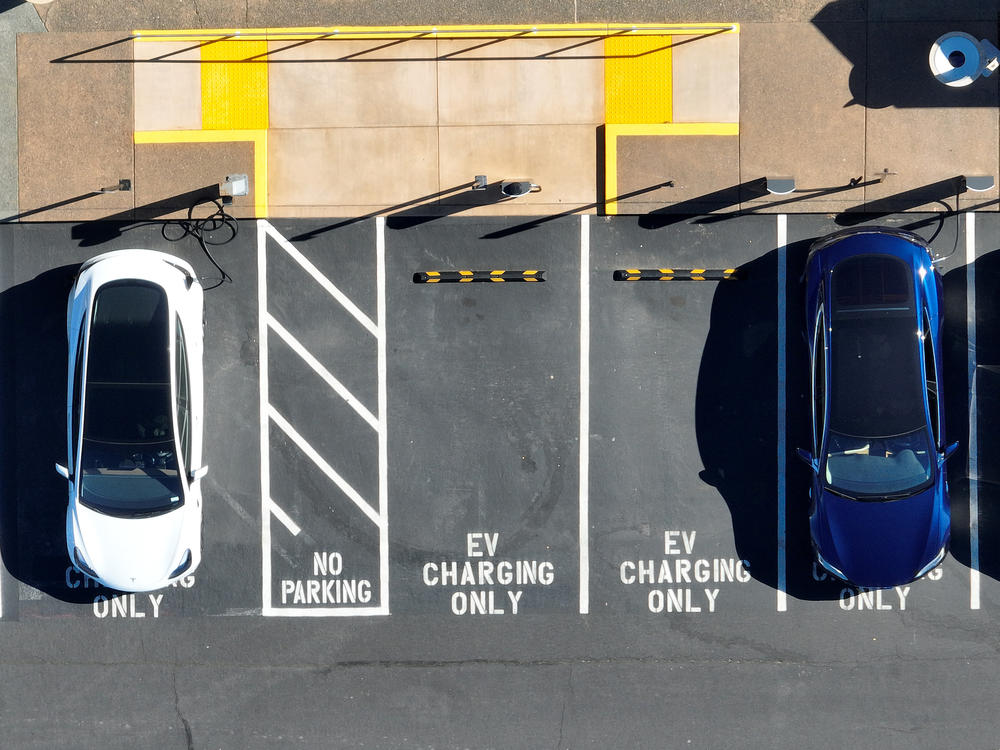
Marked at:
<point>265,422</point>
<point>338,387</point>
<point>970,322</point>
<point>322,280</point>
<point>285,519</point>
<point>584,531</point>
<point>383,416</point>
<point>323,466</point>
<point>782,602</point>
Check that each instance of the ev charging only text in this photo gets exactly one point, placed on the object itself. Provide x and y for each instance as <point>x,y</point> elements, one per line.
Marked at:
<point>673,577</point>
<point>476,578</point>
<point>128,606</point>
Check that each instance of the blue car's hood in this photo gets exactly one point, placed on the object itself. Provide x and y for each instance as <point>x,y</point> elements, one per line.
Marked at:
<point>881,544</point>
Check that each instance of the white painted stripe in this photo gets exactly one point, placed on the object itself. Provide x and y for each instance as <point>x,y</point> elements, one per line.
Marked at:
<point>265,450</point>
<point>584,531</point>
<point>383,414</point>
<point>286,520</point>
<point>970,321</point>
<point>339,388</point>
<point>782,602</point>
<point>323,466</point>
<point>322,280</point>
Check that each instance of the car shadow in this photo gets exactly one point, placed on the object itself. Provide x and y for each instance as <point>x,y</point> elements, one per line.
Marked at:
<point>736,419</point>
<point>32,495</point>
<point>987,411</point>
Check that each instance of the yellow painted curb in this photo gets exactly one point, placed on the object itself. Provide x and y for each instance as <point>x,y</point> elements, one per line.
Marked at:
<point>489,31</point>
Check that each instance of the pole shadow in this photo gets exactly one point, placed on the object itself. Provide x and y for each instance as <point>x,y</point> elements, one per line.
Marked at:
<point>935,192</point>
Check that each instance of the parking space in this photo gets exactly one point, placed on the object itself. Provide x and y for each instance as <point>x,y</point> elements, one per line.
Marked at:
<point>379,446</point>
<point>322,420</point>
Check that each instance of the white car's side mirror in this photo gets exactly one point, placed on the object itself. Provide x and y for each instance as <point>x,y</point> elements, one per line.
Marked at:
<point>198,473</point>
<point>62,471</point>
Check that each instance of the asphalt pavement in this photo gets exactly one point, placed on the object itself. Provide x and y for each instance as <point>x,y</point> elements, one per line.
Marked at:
<point>562,513</point>
<point>476,619</point>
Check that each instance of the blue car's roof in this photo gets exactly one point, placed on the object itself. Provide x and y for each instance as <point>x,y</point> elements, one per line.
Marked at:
<point>875,367</point>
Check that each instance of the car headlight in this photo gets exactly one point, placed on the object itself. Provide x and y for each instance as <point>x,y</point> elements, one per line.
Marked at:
<point>185,564</point>
<point>830,568</point>
<point>933,563</point>
<point>81,564</point>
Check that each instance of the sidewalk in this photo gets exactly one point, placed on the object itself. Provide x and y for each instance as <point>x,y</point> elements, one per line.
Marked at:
<point>605,119</point>
<point>20,18</point>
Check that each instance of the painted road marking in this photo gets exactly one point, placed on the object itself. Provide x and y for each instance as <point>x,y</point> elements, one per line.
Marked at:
<point>484,31</point>
<point>584,532</point>
<point>782,602</point>
<point>383,411</point>
<point>332,474</point>
<point>285,519</point>
<point>307,592</point>
<point>324,282</point>
<point>328,377</point>
<point>264,419</point>
<point>970,322</point>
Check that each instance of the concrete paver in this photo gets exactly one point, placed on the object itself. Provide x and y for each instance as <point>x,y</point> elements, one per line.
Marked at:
<point>559,158</point>
<point>706,78</point>
<point>168,176</point>
<point>703,171</point>
<point>796,120</point>
<point>521,82</point>
<point>315,168</point>
<point>364,83</point>
<point>921,130</point>
<point>74,127</point>
<point>178,82</point>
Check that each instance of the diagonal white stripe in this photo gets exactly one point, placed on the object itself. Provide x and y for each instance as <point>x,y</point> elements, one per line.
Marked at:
<point>322,280</point>
<point>285,519</point>
<point>323,466</point>
<point>325,374</point>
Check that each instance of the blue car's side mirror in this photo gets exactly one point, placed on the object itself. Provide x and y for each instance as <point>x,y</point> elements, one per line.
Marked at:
<point>807,457</point>
<point>949,451</point>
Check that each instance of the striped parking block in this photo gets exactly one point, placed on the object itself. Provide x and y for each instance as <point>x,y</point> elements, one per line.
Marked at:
<point>435,277</point>
<point>675,274</point>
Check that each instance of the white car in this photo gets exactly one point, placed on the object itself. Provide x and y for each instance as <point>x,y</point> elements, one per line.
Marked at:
<point>135,398</point>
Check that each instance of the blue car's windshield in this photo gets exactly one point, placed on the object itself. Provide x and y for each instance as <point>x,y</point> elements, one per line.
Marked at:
<point>879,468</point>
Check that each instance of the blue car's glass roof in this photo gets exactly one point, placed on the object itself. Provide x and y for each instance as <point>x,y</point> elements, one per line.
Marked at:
<point>876,386</point>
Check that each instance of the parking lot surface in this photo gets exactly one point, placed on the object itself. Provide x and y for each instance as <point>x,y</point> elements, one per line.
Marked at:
<point>395,504</point>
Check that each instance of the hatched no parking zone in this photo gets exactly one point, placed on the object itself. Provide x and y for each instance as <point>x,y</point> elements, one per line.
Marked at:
<point>323,440</point>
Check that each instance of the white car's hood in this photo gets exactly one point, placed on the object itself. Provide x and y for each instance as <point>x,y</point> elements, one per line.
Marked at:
<point>131,554</point>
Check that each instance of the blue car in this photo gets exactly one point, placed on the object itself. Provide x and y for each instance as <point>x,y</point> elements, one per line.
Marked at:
<point>879,513</point>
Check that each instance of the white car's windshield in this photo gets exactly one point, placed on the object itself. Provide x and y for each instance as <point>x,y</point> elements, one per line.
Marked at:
<point>128,461</point>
